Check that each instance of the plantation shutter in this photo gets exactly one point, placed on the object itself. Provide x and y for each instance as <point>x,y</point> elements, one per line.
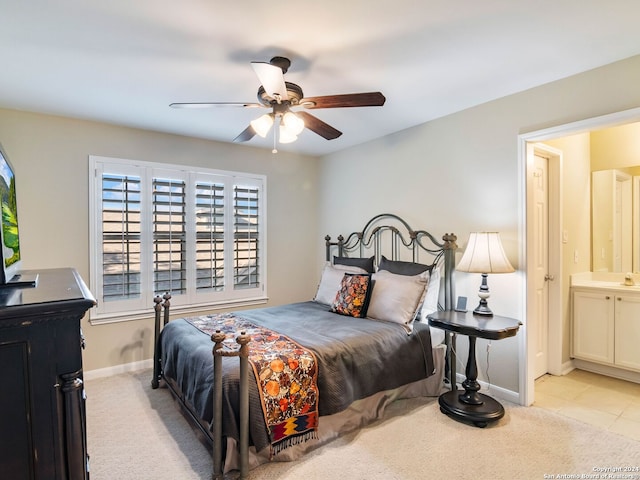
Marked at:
<point>169,236</point>
<point>121,263</point>
<point>246,203</point>
<point>210,236</point>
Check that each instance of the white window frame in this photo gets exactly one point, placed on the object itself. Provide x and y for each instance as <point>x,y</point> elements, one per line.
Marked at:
<point>193,301</point>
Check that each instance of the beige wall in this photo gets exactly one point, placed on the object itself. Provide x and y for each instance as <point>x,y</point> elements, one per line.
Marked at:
<point>461,173</point>
<point>616,147</point>
<point>50,156</point>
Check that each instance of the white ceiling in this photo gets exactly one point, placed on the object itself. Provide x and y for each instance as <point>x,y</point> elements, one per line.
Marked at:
<point>124,61</point>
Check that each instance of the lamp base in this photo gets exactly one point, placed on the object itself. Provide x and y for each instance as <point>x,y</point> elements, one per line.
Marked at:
<point>483,310</point>
<point>483,293</point>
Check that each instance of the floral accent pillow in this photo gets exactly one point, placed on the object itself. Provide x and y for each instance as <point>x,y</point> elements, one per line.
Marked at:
<point>353,297</point>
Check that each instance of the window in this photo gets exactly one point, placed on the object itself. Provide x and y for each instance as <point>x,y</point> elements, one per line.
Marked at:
<point>198,234</point>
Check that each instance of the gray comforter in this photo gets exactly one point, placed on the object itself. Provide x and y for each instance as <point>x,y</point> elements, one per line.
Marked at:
<point>356,358</point>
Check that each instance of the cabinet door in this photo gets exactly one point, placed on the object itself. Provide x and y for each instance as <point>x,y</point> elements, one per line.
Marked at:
<point>593,326</point>
<point>16,430</point>
<point>627,336</point>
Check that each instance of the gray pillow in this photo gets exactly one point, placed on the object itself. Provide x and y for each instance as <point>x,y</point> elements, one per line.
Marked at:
<point>397,298</point>
<point>364,263</point>
<point>403,268</point>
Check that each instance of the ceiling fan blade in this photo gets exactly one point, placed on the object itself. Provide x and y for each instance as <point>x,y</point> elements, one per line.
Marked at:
<point>318,126</point>
<point>214,104</point>
<point>271,78</point>
<point>369,99</point>
<point>245,135</point>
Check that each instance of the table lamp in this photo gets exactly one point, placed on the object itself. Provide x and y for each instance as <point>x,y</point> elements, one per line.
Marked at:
<point>484,254</point>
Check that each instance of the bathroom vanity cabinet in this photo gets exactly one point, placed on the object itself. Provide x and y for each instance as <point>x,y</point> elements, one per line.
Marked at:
<point>606,324</point>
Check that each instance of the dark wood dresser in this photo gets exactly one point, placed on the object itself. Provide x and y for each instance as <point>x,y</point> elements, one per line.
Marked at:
<point>42,402</point>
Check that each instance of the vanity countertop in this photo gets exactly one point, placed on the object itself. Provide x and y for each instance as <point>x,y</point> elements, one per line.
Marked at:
<point>605,280</point>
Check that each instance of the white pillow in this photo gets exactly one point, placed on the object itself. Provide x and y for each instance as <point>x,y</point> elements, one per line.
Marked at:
<point>396,298</point>
<point>432,297</point>
<point>330,282</point>
<point>430,304</point>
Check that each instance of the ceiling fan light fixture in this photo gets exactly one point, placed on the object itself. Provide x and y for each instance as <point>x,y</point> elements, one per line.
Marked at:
<point>262,124</point>
<point>286,135</point>
<point>293,123</point>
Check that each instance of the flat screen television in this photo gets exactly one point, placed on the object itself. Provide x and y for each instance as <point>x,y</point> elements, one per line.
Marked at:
<point>11,260</point>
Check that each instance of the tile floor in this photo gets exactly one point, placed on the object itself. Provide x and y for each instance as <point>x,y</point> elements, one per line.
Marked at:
<point>606,402</point>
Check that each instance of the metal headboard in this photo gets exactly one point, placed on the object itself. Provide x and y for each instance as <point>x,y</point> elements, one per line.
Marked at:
<point>389,235</point>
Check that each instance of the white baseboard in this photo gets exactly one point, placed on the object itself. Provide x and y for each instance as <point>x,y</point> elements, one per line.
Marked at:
<point>117,369</point>
<point>494,390</point>
<point>622,374</point>
<point>567,367</point>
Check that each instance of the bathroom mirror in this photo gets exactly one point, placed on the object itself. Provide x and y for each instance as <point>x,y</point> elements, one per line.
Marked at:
<point>615,226</point>
<point>613,156</point>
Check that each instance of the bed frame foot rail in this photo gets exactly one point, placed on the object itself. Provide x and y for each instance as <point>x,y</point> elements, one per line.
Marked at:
<point>160,303</point>
<point>218,352</point>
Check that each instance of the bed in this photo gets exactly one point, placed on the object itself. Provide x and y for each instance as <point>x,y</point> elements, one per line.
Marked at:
<point>361,343</point>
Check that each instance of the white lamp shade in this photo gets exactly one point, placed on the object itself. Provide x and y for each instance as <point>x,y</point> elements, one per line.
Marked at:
<point>484,254</point>
<point>286,136</point>
<point>293,123</point>
<point>261,125</point>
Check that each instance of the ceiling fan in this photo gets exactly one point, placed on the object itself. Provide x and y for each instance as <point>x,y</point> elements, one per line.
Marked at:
<point>287,104</point>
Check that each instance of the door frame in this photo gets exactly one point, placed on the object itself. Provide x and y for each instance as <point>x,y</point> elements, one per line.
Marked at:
<point>526,350</point>
<point>635,211</point>
<point>554,247</point>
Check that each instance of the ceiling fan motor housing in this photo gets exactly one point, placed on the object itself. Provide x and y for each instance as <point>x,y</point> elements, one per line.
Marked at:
<point>294,91</point>
<point>282,62</point>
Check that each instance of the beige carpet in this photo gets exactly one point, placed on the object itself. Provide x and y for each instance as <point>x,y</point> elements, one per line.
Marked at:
<point>135,432</point>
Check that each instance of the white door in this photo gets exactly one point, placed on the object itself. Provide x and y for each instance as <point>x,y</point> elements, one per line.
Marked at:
<point>540,197</point>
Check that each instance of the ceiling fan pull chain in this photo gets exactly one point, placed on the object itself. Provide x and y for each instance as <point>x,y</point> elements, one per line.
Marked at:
<point>275,150</point>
